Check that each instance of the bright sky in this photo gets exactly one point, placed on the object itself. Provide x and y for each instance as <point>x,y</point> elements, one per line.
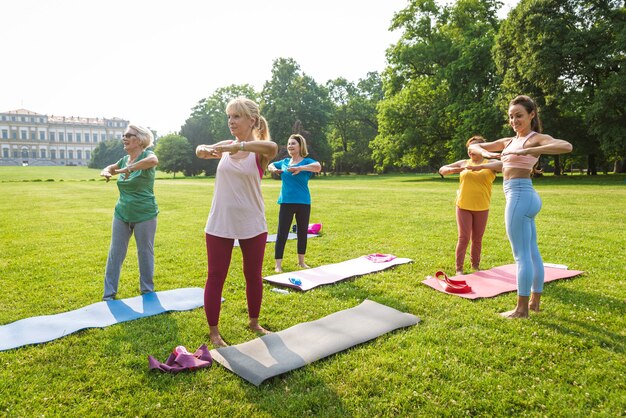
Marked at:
<point>151,61</point>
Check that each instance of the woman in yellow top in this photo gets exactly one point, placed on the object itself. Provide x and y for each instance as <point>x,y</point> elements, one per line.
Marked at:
<point>472,204</point>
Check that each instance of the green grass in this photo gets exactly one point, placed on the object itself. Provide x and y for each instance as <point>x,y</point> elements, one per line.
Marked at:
<point>463,359</point>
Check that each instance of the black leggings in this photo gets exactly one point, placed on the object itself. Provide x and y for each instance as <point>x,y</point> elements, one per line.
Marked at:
<point>285,216</point>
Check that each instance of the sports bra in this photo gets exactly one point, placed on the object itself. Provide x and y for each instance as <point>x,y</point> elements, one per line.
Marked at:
<point>519,161</point>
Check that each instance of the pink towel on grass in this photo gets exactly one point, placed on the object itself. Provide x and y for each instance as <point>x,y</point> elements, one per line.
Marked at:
<point>181,359</point>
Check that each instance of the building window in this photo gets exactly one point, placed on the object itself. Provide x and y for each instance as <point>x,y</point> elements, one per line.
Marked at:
<point>103,137</point>
<point>33,135</point>
<point>15,154</point>
<point>69,137</point>
<point>70,154</point>
<point>42,135</point>
<point>79,154</point>
<point>52,136</point>
<point>61,137</point>
<point>5,134</point>
<point>42,153</point>
<point>53,154</point>
<point>5,152</point>
<point>88,155</point>
<point>33,154</point>
<point>78,137</point>
<point>23,134</point>
<point>86,137</point>
<point>62,154</point>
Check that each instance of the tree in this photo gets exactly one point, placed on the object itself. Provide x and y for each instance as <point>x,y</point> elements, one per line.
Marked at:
<point>441,84</point>
<point>291,96</point>
<point>208,124</point>
<point>353,122</point>
<point>569,56</point>
<point>174,153</point>
<point>106,153</point>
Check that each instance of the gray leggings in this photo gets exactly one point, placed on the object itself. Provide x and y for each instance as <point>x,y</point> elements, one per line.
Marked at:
<point>120,236</point>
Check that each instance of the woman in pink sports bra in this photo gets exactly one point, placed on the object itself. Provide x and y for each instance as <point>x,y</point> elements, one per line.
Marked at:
<point>518,156</point>
<point>237,210</point>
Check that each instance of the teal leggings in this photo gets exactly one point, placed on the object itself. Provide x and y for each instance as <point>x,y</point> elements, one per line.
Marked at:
<point>522,205</point>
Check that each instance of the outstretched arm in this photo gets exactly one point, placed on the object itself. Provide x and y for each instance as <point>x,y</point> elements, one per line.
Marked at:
<point>489,149</point>
<point>545,144</point>
<point>109,171</point>
<point>143,164</point>
<point>314,167</point>
<point>494,165</point>
<point>208,152</point>
<point>453,168</point>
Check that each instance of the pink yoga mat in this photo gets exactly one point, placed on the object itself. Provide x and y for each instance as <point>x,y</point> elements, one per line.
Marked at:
<point>492,282</point>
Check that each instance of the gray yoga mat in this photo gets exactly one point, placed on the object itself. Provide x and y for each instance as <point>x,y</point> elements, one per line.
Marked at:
<point>40,329</point>
<point>292,348</point>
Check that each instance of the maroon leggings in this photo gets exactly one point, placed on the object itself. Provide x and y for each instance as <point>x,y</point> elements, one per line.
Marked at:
<point>219,251</point>
<point>472,226</point>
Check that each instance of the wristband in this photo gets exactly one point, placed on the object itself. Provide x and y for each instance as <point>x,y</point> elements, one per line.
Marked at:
<point>241,147</point>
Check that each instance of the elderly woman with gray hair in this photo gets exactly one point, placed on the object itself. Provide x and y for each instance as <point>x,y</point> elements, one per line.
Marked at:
<point>136,210</point>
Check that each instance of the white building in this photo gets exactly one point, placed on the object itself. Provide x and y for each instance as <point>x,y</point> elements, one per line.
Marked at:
<point>29,138</point>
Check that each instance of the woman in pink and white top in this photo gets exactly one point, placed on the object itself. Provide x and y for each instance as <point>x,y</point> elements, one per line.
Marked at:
<point>237,210</point>
<point>518,156</point>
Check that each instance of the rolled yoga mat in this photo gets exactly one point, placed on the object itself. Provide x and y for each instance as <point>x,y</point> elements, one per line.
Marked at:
<point>272,238</point>
<point>292,348</point>
<point>40,329</point>
<point>331,273</point>
<point>497,280</point>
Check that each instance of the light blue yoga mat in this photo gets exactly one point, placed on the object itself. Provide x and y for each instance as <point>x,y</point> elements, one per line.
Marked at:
<point>40,329</point>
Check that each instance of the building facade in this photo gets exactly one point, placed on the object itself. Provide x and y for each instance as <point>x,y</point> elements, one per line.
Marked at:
<point>29,138</point>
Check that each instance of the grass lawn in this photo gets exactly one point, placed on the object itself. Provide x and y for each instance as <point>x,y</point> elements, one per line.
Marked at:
<point>463,359</point>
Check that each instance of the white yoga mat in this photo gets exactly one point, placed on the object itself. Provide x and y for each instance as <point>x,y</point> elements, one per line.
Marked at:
<point>272,238</point>
<point>40,329</point>
<point>292,348</point>
<point>331,273</point>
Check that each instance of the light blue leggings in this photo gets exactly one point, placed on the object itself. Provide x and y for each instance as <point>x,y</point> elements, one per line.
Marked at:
<point>120,236</point>
<point>522,205</point>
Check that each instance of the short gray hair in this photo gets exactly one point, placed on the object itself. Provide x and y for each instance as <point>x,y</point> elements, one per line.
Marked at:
<point>146,138</point>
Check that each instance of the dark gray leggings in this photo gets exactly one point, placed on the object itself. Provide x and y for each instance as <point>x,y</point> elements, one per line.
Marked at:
<point>285,216</point>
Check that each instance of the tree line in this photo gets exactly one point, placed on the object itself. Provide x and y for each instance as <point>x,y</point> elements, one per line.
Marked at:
<point>450,76</point>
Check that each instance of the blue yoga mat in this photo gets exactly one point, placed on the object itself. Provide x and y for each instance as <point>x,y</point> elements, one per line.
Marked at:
<point>40,329</point>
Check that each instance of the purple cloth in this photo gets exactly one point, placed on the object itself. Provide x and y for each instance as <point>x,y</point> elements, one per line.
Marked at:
<point>181,359</point>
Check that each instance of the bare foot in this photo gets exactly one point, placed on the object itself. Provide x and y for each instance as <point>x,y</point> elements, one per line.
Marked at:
<point>258,329</point>
<point>304,266</point>
<point>535,301</point>
<point>278,270</point>
<point>217,341</point>
<point>514,314</point>
<point>459,273</point>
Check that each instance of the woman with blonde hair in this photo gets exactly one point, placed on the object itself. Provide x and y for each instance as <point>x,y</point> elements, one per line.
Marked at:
<point>237,210</point>
<point>136,210</point>
<point>295,198</point>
